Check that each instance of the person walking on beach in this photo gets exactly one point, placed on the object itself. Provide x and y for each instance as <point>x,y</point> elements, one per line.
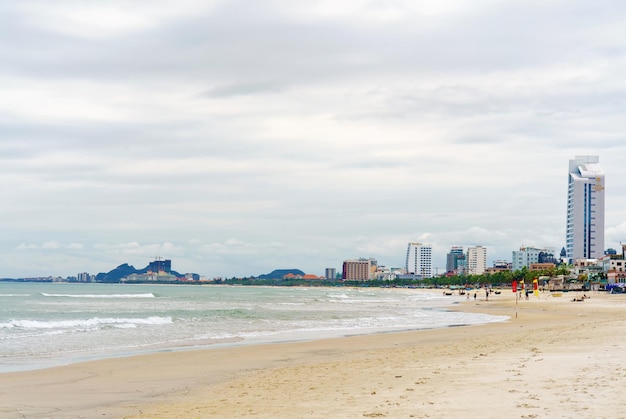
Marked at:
<point>474,296</point>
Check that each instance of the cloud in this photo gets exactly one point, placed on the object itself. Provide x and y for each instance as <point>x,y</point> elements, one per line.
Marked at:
<point>27,246</point>
<point>236,138</point>
<point>50,245</point>
<point>243,89</point>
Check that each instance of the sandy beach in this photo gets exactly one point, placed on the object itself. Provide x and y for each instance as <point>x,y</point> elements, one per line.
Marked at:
<point>557,358</point>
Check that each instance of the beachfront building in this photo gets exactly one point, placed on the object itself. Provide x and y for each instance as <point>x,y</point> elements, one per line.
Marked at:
<point>359,269</point>
<point>541,266</point>
<point>476,260</point>
<point>150,277</point>
<point>455,260</point>
<point>384,273</point>
<point>614,265</point>
<point>502,264</point>
<point>419,260</point>
<point>585,209</point>
<point>527,256</point>
<point>331,273</point>
<point>499,266</point>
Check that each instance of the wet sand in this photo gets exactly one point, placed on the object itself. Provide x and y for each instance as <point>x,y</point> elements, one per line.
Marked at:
<point>557,358</point>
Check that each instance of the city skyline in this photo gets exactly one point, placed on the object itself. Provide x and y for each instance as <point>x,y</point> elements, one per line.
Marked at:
<point>235,139</point>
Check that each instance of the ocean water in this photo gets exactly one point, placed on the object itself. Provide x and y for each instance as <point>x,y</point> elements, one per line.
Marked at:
<point>48,324</point>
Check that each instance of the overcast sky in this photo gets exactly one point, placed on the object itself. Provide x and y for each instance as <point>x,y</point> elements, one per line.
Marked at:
<point>237,137</point>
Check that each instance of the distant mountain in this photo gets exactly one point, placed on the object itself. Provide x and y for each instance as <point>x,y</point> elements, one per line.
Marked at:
<point>280,273</point>
<point>116,274</point>
<point>123,271</point>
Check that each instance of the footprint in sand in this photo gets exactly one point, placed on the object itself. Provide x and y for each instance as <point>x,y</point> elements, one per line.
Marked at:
<point>527,406</point>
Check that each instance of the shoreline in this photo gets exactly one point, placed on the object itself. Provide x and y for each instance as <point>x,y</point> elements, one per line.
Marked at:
<point>556,359</point>
<point>198,340</point>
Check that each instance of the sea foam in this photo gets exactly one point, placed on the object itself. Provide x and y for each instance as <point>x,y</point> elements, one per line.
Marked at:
<point>146,295</point>
<point>84,323</point>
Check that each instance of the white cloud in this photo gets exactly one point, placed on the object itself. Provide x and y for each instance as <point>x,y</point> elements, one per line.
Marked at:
<point>235,140</point>
<point>25,246</point>
<point>97,20</point>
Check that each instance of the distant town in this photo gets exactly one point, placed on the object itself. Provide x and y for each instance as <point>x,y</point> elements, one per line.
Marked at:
<point>464,266</point>
<point>582,263</point>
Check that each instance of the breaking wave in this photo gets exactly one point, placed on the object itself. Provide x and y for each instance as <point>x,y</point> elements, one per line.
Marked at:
<point>85,323</point>
<point>146,295</point>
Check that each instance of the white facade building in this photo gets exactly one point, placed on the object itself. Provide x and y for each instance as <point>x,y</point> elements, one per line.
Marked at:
<point>419,260</point>
<point>526,256</point>
<point>585,209</point>
<point>476,260</point>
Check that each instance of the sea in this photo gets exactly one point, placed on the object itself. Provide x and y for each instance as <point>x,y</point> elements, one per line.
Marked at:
<point>50,324</point>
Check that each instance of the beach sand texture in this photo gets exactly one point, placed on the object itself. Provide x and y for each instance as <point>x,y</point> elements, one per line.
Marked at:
<point>557,359</point>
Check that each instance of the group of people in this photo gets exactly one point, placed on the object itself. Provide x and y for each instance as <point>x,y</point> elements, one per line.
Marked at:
<point>487,293</point>
<point>526,293</point>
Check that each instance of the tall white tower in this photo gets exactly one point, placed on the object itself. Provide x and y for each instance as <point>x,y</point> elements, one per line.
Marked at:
<point>419,259</point>
<point>476,260</point>
<point>584,235</point>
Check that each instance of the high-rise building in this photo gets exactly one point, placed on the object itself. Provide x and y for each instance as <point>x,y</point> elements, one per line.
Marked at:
<point>419,260</point>
<point>585,209</point>
<point>455,260</point>
<point>476,260</point>
<point>83,277</point>
<point>160,265</point>
<point>331,273</point>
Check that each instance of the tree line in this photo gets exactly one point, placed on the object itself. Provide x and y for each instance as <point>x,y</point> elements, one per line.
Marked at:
<point>498,278</point>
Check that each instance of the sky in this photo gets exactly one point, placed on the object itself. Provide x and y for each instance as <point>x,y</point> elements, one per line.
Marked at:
<point>239,137</point>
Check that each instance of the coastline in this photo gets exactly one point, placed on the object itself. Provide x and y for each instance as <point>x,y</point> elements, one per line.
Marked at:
<point>87,322</point>
<point>557,358</point>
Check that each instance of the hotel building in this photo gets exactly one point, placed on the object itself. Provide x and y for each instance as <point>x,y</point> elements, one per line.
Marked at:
<point>585,209</point>
<point>358,269</point>
<point>419,260</point>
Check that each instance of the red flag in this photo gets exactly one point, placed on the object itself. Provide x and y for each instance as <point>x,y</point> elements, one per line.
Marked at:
<point>514,285</point>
